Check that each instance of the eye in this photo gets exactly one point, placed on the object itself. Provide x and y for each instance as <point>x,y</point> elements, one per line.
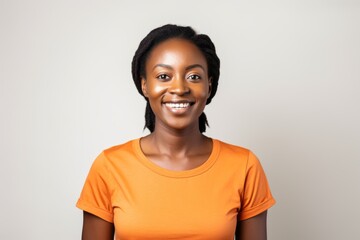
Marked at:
<point>194,77</point>
<point>163,77</point>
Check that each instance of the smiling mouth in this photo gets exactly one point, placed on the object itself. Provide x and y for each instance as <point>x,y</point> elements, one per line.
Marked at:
<point>178,105</point>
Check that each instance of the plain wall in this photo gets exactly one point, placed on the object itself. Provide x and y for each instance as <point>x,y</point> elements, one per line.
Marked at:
<point>289,90</point>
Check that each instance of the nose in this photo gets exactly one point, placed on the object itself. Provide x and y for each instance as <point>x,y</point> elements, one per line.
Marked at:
<point>179,86</point>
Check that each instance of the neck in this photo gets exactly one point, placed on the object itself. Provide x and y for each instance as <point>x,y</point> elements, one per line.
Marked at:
<point>172,141</point>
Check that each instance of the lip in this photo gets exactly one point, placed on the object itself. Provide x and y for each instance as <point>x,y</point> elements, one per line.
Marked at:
<point>178,106</point>
<point>179,101</point>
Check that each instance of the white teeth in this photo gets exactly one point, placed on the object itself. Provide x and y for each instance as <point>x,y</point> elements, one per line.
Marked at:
<point>178,105</point>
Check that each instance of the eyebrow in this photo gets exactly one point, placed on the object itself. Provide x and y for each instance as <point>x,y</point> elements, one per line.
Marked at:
<point>162,65</point>
<point>195,66</point>
<point>187,68</point>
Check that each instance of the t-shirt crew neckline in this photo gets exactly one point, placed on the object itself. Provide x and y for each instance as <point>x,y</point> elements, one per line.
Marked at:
<point>178,174</point>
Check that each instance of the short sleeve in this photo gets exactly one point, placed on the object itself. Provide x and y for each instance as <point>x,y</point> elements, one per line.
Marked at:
<point>95,197</point>
<point>256,196</point>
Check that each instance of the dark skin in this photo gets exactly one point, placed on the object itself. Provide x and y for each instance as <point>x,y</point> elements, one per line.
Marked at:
<point>253,228</point>
<point>95,228</point>
<point>176,73</point>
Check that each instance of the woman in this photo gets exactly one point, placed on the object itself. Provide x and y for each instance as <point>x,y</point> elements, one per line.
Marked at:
<point>175,183</point>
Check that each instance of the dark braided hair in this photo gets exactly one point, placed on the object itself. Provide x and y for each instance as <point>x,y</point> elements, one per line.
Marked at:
<point>158,35</point>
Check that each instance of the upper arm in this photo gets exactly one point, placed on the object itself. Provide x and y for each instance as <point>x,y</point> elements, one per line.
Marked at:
<point>253,228</point>
<point>95,228</point>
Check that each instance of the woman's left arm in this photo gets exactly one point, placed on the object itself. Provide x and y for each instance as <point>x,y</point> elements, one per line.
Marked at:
<point>253,228</point>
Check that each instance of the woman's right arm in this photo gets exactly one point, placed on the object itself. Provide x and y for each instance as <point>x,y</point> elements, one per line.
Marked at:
<point>95,228</point>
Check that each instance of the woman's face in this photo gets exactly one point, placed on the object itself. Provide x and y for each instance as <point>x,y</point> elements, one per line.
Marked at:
<point>176,84</point>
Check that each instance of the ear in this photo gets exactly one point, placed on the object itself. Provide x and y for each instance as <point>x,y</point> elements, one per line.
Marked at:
<point>210,86</point>
<point>143,86</point>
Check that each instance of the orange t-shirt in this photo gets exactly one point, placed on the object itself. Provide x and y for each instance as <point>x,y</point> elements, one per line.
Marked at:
<point>145,201</point>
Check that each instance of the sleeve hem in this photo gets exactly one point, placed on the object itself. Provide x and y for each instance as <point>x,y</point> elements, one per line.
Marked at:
<point>95,211</point>
<point>256,210</point>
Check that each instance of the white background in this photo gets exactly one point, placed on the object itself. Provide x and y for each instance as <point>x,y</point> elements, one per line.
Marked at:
<point>289,90</point>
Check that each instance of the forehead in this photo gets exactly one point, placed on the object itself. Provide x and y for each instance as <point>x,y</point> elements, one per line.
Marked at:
<point>176,51</point>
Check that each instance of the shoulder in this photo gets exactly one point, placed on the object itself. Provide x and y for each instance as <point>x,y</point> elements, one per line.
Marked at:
<point>116,152</point>
<point>123,148</point>
<point>237,155</point>
<point>113,160</point>
<point>235,151</point>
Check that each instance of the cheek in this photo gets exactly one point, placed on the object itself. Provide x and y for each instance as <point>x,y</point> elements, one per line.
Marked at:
<point>155,90</point>
<point>202,91</point>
